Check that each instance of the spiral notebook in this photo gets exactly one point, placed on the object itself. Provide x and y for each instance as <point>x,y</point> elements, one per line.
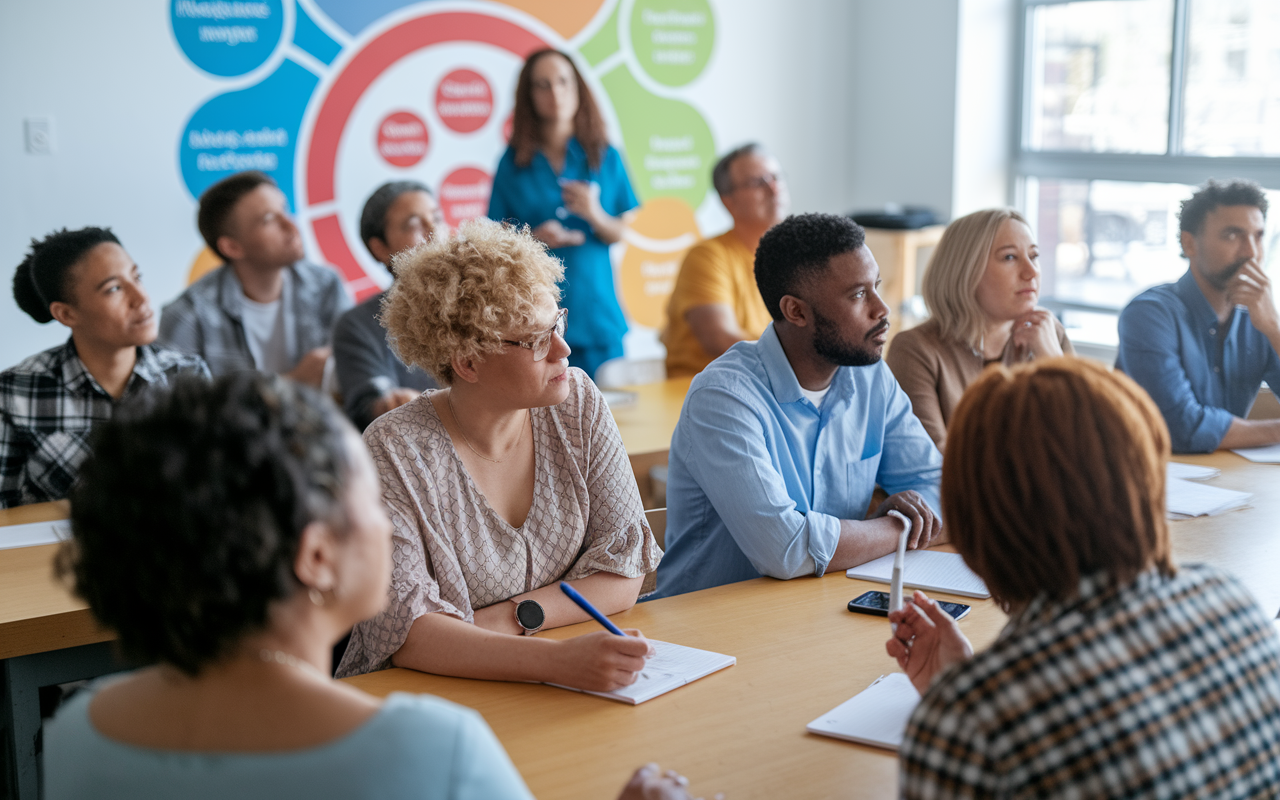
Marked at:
<point>671,667</point>
<point>876,716</point>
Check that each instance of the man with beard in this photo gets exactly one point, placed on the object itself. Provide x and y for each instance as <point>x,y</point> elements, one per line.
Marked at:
<point>1201,347</point>
<point>782,441</point>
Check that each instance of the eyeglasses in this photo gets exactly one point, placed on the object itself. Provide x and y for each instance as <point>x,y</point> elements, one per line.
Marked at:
<point>540,343</point>
<point>760,181</point>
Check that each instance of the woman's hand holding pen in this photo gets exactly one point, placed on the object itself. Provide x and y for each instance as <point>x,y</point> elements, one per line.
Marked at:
<point>927,640</point>
<point>601,661</point>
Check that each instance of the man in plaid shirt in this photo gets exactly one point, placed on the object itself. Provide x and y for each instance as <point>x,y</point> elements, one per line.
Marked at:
<point>1119,674</point>
<point>50,402</point>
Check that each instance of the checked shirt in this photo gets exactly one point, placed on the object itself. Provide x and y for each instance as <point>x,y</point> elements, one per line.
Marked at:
<point>48,405</point>
<point>1168,687</point>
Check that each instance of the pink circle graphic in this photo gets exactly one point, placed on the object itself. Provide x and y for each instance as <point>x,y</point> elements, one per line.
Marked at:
<point>402,139</point>
<point>464,101</point>
<point>464,195</point>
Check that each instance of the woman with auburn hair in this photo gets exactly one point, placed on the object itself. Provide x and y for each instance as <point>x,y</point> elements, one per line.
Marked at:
<point>981,289</point>
<point>229,533</point>
<point>1118,674</point>
<point>561,177</point>
<point>504,483</point>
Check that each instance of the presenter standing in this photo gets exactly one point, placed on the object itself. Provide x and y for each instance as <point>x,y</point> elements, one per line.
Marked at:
<point>562,178</point>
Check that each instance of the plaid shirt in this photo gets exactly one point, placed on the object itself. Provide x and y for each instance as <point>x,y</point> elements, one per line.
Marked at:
<point>1165,688</point>
<point>206,319</point>
<point>48,405</point>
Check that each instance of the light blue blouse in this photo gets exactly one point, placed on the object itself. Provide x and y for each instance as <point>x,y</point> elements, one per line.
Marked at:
<point>416,746</point>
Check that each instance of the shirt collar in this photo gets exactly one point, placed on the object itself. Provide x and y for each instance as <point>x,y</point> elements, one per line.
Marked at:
<point>75,375</point>
<point>147,367</point>
<point>1201,312</point>
<point>782,377</point>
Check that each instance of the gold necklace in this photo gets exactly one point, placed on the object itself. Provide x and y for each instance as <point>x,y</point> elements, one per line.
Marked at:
<point>290,660</point>
<point>448,398</point>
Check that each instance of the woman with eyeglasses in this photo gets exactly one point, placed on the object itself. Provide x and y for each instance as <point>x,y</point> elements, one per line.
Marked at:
<point>502,484</point>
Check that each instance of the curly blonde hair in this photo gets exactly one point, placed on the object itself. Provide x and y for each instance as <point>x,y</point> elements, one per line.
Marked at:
<point>455,296</point>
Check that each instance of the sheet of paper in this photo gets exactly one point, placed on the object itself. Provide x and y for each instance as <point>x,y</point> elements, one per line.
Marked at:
<point>1189,499</point>
<point>876,716</point>
<point>671,667</point>
<point>34,533</point>
<point>1261,455</point>
<point>928,570</point>
<point>1191,472</point>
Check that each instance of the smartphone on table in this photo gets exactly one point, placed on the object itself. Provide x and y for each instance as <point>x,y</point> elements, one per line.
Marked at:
<point>877,603</point>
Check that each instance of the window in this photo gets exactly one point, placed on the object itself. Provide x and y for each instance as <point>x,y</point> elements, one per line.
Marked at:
<point>1126,106</point>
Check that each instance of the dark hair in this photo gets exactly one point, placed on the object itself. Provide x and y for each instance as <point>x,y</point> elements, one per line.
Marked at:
<point>218,201</point>
<point>44,276</point>
<point>720,172</point>
<point>187,515</point>
<point>1055,471</point>
<point>1235,192</point>
<point>373,219</point>
<point>798,248</point>
<point>526,129</point>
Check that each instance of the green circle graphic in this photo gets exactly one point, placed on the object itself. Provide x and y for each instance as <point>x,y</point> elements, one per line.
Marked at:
<point>672,38</point>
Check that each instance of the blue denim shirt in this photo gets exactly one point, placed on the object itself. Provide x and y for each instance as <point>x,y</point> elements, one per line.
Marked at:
<point>759,479</point>
<point>1200,373</point>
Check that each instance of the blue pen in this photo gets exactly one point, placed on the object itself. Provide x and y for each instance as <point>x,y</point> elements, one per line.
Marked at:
<point>590,609</point>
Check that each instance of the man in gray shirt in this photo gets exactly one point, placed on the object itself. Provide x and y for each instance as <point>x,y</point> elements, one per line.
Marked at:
<point>265,308</point>
<point>396,217</point>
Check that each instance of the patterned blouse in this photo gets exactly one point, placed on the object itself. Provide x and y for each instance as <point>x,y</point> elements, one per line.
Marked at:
<point>452,553</point>
<point>1168,687</point>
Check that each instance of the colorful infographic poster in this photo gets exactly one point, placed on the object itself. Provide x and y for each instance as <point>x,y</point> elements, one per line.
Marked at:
<point>335,97</point>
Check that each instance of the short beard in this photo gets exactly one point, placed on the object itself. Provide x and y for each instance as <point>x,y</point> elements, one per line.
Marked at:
<point>1221,280</point>
<point>828,343</point>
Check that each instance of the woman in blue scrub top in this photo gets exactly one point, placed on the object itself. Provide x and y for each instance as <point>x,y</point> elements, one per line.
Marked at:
<point>561,177</point>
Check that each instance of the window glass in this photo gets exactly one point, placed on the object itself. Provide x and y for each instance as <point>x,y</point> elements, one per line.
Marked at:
<point>1231,106</point>
<point>1100,76</point>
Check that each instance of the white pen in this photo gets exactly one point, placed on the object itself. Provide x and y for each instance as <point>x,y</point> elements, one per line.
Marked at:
<point>895,582</point>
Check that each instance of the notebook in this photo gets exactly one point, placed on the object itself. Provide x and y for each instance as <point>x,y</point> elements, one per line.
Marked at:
<point>34,533</point>
<point>1261,455</point>
<point>1191,472</point>
<point>876,716</point>
<point>671,667</point>
<point>1185,499</point>
<point>928,570</point>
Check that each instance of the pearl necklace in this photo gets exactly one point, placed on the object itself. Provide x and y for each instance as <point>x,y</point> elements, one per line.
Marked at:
<point>290,660</point>
<point>448,398</point>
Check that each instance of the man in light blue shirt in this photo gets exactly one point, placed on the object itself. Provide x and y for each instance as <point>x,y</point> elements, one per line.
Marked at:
<point>782,441</point>
<point>1201,347</point>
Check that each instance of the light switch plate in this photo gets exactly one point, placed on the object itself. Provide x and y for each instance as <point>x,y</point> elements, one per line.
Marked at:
<point>39,135</point>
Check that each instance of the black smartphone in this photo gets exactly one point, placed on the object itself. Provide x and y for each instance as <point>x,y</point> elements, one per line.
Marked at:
<point>877,603</point>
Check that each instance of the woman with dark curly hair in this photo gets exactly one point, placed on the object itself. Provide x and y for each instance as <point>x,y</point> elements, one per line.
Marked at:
<point>48,404</point>
<point>232,533</point>
<point>510,480</point>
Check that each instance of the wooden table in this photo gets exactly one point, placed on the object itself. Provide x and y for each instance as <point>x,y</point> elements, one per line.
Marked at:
<point>800,653</point>
<point>647,424</point>
<point>898,254</point>
<point>741,731</point>
<point>47,637</point>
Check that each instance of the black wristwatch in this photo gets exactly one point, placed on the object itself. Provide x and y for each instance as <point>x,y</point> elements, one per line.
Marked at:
<point>529,615</point>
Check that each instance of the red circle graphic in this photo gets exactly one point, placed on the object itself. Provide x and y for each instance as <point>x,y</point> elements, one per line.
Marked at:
<point>402,139</point>
<point>464,195</point>
<point>464,101</point>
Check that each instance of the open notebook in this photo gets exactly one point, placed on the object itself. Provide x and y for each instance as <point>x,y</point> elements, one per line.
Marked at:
<point>34,533</point>
<point>876,716</point>
<point>670,668</point>
<point>928,570</point>
<point>1186,499</point>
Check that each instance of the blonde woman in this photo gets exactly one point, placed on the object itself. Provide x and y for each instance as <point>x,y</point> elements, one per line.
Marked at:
<point>506,482</point>
<point>981,287</point>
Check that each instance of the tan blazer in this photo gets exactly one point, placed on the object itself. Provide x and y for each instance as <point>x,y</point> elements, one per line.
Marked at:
<point>934,372</point>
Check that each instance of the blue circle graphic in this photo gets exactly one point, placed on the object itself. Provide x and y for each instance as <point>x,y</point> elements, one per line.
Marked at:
<point>227,37</point>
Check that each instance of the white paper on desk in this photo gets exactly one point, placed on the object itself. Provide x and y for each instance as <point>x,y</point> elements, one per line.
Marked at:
<point>1191,472</point>
<point>924,569</point>
<point>876,716</point>
<point>1261,455</point>
<point>618,399</point>
<point>34,533</point>
<point>1187,499</point>
<point>671,667</point>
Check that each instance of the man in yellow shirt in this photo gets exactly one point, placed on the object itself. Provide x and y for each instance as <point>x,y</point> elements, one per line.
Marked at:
<point>715,301</point>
